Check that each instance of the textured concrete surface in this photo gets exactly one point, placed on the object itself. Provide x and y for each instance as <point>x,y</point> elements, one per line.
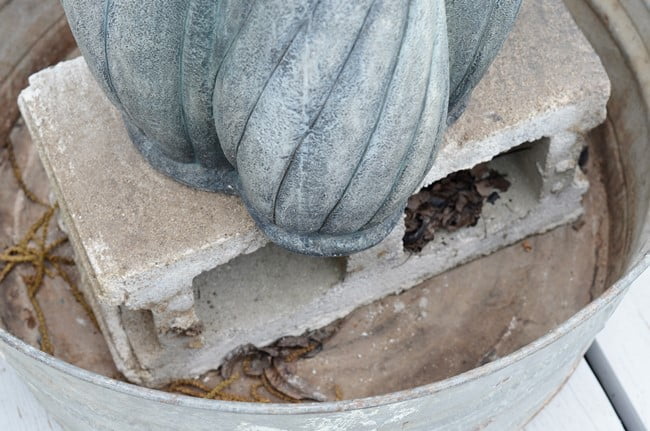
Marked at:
<point>142,238</point>
<point>546,80</point>
<point>477,30</point>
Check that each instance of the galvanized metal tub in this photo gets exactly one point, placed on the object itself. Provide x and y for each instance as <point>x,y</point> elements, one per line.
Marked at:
<point>501,395</point>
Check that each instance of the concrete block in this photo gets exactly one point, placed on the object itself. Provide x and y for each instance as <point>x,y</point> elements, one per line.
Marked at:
<point>174,297</point>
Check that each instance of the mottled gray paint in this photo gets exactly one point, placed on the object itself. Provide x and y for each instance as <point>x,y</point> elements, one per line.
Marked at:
<point>324,115</point>
<point>477,30</point>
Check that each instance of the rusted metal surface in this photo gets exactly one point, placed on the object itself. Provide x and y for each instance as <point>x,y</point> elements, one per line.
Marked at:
<point>501,395</point>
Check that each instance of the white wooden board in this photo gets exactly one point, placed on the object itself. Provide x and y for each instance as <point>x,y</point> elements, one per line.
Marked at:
<point>580,405</point>
<point>620,357</point>
<point>19,410</point>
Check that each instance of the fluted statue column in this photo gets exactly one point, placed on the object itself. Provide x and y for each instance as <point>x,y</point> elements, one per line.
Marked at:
<point>323,115</point>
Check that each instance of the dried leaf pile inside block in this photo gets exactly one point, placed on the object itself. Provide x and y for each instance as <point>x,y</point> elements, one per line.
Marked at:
<point>454,202</point>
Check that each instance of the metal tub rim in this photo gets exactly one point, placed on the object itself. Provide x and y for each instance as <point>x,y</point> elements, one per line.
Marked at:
<point>610,295</point>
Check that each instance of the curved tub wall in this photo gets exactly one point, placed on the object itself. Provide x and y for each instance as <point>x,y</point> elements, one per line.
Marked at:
<point>620,33</point>
<point>501,395</point>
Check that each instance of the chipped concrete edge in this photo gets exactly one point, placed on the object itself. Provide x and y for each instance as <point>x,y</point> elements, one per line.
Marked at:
<point>122,352</point>
<point>577,117</point>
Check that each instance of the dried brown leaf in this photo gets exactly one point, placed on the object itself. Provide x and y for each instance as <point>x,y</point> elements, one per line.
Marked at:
<point>283,379</point>
<point>234,357</point>
<point>450,204</point>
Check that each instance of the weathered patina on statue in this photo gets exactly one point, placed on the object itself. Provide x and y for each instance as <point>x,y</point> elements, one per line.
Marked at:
<point>323,115</point>
<point>477,30</point>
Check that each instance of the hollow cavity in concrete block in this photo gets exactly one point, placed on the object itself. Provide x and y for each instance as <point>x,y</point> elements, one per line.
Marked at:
<point>530,159</point>
<point>519,211</point>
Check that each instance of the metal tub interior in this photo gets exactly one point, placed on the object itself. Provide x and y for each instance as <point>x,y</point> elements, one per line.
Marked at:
<point>501,395</point>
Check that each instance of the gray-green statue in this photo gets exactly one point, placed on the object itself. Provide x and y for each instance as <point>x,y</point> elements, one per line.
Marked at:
<point>323,115</point>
